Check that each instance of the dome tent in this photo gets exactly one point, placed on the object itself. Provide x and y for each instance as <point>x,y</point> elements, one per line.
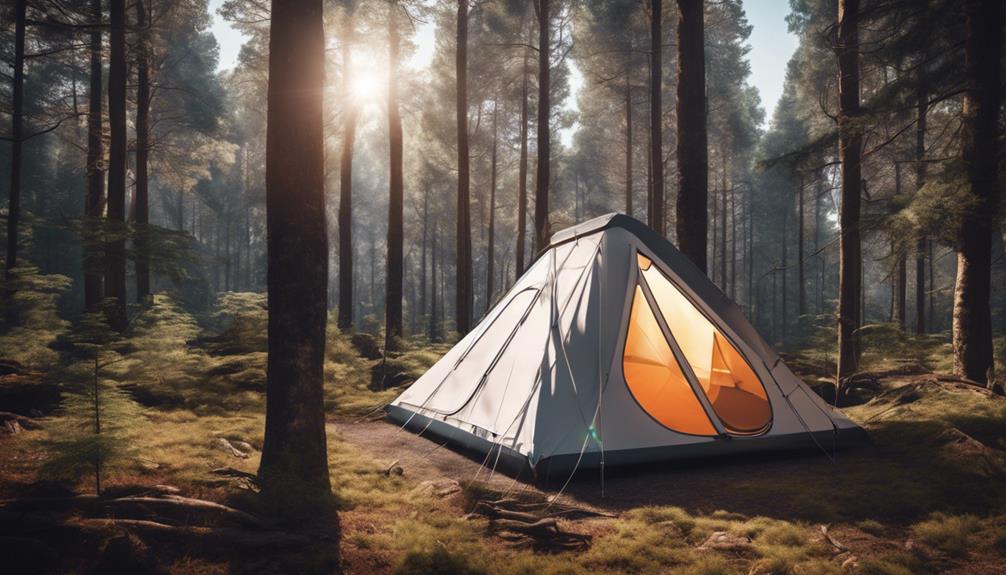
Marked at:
<point>612,349</point>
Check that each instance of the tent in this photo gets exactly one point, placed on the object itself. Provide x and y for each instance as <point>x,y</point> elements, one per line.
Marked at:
<point>612,349</point>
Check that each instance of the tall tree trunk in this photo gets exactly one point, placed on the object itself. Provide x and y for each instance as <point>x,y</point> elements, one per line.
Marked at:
<point>142,213</point>
<point>733,244</point>
<point>901,273</point>
<point>434,319</point>
<point>693,163</point>
<point>628,144</point>
<point>422,269</point>
<point>541,228</point>
<point>656,195</point>
<point>17,124</point>
<point>818,240</point>
<point>463,292</point>
<point>491,247</point>
<point>723,223</point>
<point>94,201</point>
<point>227,253</point>
<point>784,269</point>
<point>920,180</point>
<point>396,195</point>
<point>294,454</point>
<point>522,169</point>
<point>973,352</point>
<point>801,279</point>
<point>115,250</point>
<point>850,150</point>
<point>349,117</point>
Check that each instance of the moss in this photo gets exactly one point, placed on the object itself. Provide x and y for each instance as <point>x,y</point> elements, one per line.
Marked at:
<point>709,565</point>
<point>894,563</point>
<point>437,561</point>
<point>871,527</point>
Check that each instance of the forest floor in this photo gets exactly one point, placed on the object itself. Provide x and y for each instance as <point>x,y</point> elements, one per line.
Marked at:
<point>927,497</point>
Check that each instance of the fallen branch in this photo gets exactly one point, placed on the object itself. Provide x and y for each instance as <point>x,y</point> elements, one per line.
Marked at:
<point>226,535</point>
<point>840,548</point>
<point>187,504</point>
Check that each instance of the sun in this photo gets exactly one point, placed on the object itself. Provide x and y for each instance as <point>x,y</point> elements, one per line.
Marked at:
<point>365,86</point>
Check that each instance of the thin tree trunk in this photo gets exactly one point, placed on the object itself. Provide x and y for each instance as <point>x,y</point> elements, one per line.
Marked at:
<point>422,268</point>
<point>541,227</point>
<point>396,195</point>
<point>115,250</point>
<point>819,277</point>
<point>850,150</point>
<point>350,112</point>
<point>463,292</point>
<point>434,331</point>
<point>656,202</point>
<point>723,223</point>
<point>628,144</point>
<point>94,202</point>
<point>522,169</point>
<point>692,154</point>
<point>17,124</point>
<point>801,278</point>
<point>784,318</point>
<point>733,244</point>
<point>491,247</point>
<point>227,254</point>
<point>920,181</point>
<point>142,213</point>
<point>972,329</point>
<point>294,454</point>
<point>901,277</point>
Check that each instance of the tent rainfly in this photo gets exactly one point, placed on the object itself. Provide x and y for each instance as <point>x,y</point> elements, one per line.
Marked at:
<point>613,349</point>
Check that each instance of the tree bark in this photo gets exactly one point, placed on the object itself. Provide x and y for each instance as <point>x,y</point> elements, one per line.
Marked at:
<point>142,213</point>
<point>655,214</point>
<point>522,169</point>
<point>723,223</point>
<point>294,454</point>
<point>800,269</point>
<point>463,291</point>
<point>901,272</point>
<point>850,150</point>
<point>434,325</point>
<point>784,270</point>
<point>491,242</point>
<point>422,268</point>
<point>115,249</point>
<point>17,125</point>
<point>541,227</point>
<point>972,328</point>
<point>396,233</point>
<point>94,201</point>
<point>693,163</point>
<point>350,111</point>
<point>920,181</point>
<point>628,144</point>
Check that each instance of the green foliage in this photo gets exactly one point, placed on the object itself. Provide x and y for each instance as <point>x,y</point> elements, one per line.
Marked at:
<point>168,369</point>
<point>34,308</point>
<point>97,418</point>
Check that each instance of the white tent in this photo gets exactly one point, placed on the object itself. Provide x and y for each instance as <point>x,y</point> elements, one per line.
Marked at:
<point>613,348</point>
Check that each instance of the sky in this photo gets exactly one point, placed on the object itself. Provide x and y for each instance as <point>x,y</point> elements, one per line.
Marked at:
<point>771,47</point>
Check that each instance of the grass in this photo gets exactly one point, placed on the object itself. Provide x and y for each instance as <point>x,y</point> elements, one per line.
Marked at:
<point>941,448</point>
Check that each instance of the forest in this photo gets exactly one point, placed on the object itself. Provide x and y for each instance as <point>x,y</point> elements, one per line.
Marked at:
<point>223,287</point>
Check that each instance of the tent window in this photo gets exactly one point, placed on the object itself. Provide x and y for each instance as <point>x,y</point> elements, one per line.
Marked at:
<point>654,377</point>
<point>734,391</point>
